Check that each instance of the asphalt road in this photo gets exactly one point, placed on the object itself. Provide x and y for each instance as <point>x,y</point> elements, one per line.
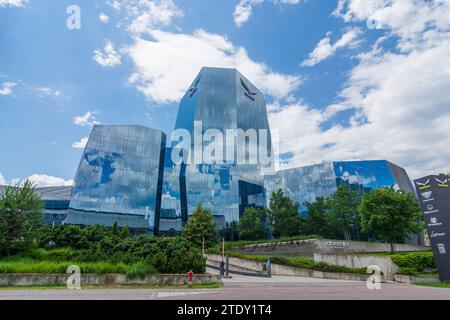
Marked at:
<point>241,287</point>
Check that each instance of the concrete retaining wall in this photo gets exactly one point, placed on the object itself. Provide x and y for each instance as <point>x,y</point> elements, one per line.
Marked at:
<point>359,261</point>
<point>307,248</point>
<point>27,279</point>
<point>281,270</point>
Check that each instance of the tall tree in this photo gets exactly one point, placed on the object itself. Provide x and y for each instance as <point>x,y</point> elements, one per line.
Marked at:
<point>201,226</point>
<point>251,224</point>
<point>390,214</point>
<point>21,211</point>
<point>283,215</point>
<point>343,210</point>
<point>317,219</point>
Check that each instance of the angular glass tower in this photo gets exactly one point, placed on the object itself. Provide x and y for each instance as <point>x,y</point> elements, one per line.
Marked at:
<point>222,99</point>
<point>119,179</point>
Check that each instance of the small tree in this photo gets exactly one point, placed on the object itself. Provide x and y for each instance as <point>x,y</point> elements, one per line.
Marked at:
<point>251,224</point>
<point>21,211</point>
<point>201,225</point>
<point>283,215</point>
<point>390,214</point>
<point>343,210</point>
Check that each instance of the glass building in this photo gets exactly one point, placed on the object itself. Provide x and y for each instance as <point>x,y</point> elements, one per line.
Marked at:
<point>222,99</point>
<point>56,203</point>
<point>173,217</point>
<point>127,175</point>
<point>119,179</point>
<point>308,183</point>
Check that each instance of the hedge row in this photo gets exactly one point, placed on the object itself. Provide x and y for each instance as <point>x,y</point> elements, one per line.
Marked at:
<point>414,262</point>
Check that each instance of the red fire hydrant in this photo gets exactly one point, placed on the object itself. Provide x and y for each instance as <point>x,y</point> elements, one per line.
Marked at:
<point>190,278</point>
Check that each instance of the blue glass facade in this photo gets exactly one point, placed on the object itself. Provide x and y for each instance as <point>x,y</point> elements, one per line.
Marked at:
<point>308,183</point>
<point>127,175</point>
<point>223,99</point>
<point>119,178</point>
<point>56,203</point>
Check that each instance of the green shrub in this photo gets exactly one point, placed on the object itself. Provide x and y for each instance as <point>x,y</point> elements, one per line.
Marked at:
<point>407,271</point>
<point>416,260</point>
<point>140,270</point>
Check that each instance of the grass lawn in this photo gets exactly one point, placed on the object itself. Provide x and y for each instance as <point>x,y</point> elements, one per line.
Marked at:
<point>118,287</point>
<point>58,260</point>
<point>434,284</point>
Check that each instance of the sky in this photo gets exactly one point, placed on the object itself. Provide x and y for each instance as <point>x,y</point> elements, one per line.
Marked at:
<point>343,79</point>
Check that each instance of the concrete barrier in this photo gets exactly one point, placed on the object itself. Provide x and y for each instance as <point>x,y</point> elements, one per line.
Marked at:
<point>35,279</point>
<point>307,248</point>
<point>245,265</point>
<point>386,265</point>
<point>414,279</point>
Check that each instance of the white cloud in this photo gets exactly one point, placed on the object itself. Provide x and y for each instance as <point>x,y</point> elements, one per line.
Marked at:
<point>80,144</point>
<point>2,180</point>
<point>49,92</point>
<point>244,9</point>
<point>143,15</point>
<point>324,49</point>
<point>400,97</point>
<point>103,17</point>
<point>39,180</point>
<point>43,180</point>
<point>12,3</point>
<point>88,119</point>
<point>166,65</point>
<point>7,88</point>
<point>109,58</point>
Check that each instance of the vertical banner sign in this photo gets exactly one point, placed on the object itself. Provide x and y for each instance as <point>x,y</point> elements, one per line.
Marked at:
<point>434,198</point>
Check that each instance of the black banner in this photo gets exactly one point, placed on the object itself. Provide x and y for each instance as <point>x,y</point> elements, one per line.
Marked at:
<point>434,198</point>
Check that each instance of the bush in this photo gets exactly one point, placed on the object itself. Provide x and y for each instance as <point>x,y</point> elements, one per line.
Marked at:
<point>101,244</point>
<point>419,261</point>
<point>140,270</point>
<point>407,271</point>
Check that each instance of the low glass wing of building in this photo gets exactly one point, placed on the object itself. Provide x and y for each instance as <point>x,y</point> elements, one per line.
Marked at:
<point>308,183</point>
<point>119,179</point>
<point>56,202</point>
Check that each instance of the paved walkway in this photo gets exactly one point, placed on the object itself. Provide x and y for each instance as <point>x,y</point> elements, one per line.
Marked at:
<point>244,287</point>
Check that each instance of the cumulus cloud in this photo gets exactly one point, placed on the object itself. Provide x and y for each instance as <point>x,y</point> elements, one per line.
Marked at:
<point>39,180</point>
<point>109,57</point>
<point>88,119</point>
<point>2,179</point>
<point>325,49</point>
<point>166,65</point>
<point>6,88</point>
<point>399,97</point>
<point>12,3</point>
<point>244,9</point>
<point>81,144</point>
<point>43,180</point>
<point>103,17</point>
<point>142,15</point>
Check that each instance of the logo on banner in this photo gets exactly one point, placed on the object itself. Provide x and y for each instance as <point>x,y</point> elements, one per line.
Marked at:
<point>434,222</point>
<point>441,248</point>
<point>427,195</point>
<point>436,234</point>
<point>443,183</point>
<point>424,185</point>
